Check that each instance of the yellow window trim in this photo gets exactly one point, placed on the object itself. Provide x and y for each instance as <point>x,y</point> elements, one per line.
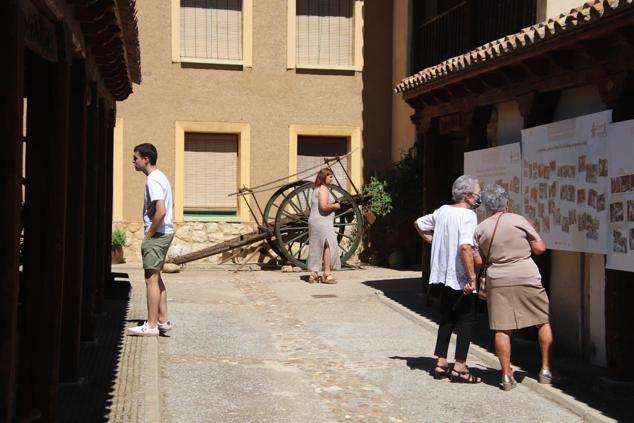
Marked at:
<point>291,32</point>
<point>247,36</point>
<point>352,133</point>
<point>242,130</point>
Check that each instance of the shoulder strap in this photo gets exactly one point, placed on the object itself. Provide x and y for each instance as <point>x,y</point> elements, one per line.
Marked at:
<point>495,229</point>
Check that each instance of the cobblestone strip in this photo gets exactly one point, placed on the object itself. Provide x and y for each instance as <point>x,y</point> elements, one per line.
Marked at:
<point>128,393</point>
<point>338,379</point>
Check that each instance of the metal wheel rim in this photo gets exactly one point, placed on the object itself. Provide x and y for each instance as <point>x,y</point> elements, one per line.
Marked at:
<point>348,224</point>
<point>272,207</point>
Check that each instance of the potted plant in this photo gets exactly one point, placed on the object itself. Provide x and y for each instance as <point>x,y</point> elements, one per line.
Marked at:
<point>118,240</point>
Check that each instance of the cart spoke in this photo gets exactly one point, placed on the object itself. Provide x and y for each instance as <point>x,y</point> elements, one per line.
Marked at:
<point>303,234</point>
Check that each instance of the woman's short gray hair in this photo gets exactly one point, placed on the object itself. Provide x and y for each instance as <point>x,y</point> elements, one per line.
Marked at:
<point>465,184</point>
<point>494,198</point>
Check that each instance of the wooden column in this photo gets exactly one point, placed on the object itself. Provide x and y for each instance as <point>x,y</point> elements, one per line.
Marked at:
<point>90,236</point>
<point>101,240</point>
<point>109,147</point>
<point>11,108</point>
<point>45,231</point>
<point>74,258</point>
<point>619,337</point>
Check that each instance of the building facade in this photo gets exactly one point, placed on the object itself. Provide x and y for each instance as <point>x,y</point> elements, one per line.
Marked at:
<point>239,93</point>
<point>573,60</point>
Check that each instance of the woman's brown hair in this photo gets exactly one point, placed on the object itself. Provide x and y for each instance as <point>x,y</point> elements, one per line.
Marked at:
<point>321,177</point>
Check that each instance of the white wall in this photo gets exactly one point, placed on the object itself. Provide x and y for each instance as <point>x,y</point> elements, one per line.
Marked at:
<point>556,7</point>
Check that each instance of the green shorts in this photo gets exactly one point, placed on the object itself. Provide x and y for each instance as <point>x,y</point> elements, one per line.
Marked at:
<point>154,250</point>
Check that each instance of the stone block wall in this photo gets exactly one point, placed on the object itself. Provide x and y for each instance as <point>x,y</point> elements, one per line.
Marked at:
<point>188,237</point>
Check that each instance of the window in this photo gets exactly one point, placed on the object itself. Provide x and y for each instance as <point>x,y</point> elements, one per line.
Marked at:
<point>211,174</point>
<point>325,34</point>
<point>212,31</point>
<point>312,150</point>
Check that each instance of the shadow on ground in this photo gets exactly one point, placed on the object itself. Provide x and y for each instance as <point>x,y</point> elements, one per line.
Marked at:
<point>585,382</point>
<point>89,399</point>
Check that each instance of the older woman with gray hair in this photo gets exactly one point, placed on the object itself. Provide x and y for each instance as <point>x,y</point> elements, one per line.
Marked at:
<point>450,230</point>
<point>515,296</point>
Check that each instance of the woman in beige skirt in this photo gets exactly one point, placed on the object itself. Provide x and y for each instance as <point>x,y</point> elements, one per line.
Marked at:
<point>515,296</point>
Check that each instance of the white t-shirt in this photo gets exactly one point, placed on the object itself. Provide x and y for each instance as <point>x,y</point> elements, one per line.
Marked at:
<point>452,226</point>
<point>157,187</point>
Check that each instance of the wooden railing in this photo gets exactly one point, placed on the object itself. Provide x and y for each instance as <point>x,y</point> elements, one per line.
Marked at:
<point>468,25</point>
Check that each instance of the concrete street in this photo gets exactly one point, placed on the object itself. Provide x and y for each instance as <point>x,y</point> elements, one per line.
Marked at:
<point>265,346</point>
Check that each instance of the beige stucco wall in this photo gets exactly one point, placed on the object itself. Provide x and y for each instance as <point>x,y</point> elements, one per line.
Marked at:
<point>403,132</point>
<point>267,97</point>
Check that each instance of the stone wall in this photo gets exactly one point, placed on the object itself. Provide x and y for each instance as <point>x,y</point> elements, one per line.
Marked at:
<point>189,237</point>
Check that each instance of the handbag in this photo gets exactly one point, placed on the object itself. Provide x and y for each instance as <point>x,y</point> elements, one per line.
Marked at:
<point>482,286</point>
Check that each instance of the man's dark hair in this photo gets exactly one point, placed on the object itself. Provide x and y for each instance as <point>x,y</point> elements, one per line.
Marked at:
<point>147,150</point>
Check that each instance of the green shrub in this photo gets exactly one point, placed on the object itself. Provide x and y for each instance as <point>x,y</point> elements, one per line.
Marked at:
<point>380,202</point>
<point>118,236</point>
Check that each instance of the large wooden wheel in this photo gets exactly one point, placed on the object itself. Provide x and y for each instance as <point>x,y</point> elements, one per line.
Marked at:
<point>271,208</point>
<point>291,224</point>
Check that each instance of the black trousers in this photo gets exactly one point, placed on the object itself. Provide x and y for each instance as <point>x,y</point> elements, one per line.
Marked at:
<point>460,320</point>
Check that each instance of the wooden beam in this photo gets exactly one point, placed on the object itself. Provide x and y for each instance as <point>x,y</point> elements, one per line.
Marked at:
<point>515,74</point>
<point>442,94</point>
<point>597,49</point>
<point>566,59</point>
<point>539,66</point>
<point>457,90</point>
<point>493,79</point>
<point>474,85</point>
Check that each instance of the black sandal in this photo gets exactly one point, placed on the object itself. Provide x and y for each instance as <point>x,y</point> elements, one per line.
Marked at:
<point>441,374</point>
<point>459,377</point>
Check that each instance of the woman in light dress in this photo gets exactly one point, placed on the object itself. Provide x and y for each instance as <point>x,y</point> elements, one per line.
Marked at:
<point>323,245</point>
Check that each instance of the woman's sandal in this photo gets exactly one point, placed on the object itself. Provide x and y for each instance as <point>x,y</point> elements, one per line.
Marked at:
<point>328,279</point>
<point>313,278</point>
<point>442,373</point>
<point>464,376</point>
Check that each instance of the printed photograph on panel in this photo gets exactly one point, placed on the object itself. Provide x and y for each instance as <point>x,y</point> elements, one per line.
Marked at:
<point>616,212</point>
<point>603,168</point>
<point>630,210</point>
<point>591,173</point>
<point>619,242</point>
<point>581,163</point>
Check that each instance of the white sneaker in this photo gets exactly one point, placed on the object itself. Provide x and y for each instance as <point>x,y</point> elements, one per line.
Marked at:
<point>143,330</point>
<point>165,327</point>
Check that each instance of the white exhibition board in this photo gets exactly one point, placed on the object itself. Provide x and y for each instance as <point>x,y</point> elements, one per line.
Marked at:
<point>565,182</point>
<point>620,254</point>
<point>497,165</point>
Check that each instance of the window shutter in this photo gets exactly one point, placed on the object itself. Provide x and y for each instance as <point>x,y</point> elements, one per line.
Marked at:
<point>211,29</point>
<point>311,152</point>
<point>211,171</point>
<point>324,32</point>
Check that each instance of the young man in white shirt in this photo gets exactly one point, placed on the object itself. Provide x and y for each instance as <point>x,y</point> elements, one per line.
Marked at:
<point>159,232</point>
<point>450,231</point>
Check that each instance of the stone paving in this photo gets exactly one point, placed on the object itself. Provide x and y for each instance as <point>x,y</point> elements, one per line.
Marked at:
<point>260,346</point>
